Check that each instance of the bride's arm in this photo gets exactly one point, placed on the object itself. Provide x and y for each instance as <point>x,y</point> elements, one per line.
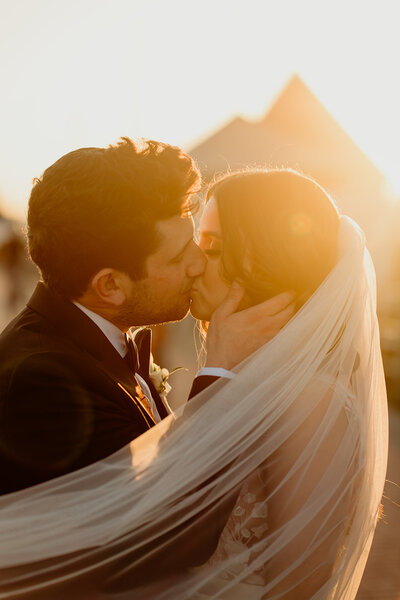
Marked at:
<point>309,545</point>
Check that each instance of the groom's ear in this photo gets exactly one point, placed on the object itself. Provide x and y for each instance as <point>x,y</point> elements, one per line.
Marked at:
<point>110,286</point>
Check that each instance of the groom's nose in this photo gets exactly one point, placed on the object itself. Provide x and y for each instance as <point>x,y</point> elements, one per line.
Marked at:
<point>197,263</point>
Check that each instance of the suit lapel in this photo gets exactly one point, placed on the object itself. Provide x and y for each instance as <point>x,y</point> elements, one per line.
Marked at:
<point>72,323</point>
<point>142,339</point>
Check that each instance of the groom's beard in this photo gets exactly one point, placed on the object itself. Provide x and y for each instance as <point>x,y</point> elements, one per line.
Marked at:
<point>149,310</point>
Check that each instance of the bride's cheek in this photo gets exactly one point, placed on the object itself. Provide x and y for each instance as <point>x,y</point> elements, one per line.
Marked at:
<point>220,275</point>
<point>215,273</point>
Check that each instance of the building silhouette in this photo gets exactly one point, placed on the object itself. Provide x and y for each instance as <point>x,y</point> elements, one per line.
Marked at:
<point>298,132</point>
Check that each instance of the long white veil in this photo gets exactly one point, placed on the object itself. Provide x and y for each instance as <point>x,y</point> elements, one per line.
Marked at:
<point>300,435</point>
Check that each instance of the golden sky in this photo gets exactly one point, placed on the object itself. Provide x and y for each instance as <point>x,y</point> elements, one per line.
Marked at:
<point>84,72</point>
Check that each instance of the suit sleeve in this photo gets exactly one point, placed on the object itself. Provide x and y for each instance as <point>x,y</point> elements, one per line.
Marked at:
<point>45,420</point>
<point>200,383</point>
<point>52,422</point>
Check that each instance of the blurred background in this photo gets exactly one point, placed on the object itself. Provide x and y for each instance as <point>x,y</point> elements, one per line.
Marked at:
<point>311,85</point>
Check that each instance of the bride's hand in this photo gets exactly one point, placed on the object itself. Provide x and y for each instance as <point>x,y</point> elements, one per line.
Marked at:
<point>232,336</point>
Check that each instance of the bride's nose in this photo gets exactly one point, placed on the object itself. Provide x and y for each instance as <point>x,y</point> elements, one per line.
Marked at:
<point>197,263</point>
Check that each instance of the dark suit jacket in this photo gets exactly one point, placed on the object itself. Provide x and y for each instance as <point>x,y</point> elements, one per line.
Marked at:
<point>67,398</point>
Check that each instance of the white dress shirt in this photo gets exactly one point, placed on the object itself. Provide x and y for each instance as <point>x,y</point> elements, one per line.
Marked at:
<point>117,338</point>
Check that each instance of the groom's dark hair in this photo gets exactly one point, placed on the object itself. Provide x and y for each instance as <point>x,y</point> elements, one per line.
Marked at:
<point>97,208</point>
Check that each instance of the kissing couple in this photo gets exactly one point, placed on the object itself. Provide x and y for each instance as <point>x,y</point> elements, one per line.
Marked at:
<point>267,483</point>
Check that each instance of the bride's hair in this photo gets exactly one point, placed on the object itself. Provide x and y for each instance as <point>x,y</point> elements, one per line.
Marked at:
<point>279,230</point>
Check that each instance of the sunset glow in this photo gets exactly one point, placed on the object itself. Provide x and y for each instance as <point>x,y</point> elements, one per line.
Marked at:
<point>85,72</point>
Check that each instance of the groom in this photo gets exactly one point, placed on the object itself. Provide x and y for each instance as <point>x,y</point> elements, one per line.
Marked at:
<point>111,232</point>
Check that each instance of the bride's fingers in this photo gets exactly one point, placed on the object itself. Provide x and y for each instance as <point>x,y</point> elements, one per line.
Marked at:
<point>282,317</point>
<point>232,336</point>
<point>272,306</point>
<point>231,302</point>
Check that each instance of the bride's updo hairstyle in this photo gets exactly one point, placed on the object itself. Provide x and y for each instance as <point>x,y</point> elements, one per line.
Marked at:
<point>279,230</point>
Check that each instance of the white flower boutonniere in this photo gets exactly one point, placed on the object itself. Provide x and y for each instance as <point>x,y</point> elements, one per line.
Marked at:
<point>159,377</point>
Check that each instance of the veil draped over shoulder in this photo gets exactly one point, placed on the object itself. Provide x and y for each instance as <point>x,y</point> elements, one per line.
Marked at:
<point>264,486</point>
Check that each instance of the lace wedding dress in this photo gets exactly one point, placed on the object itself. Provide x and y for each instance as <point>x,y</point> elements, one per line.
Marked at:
<point>248,525</point>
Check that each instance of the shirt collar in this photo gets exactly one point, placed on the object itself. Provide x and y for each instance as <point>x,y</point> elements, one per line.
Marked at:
<point>111,331</point>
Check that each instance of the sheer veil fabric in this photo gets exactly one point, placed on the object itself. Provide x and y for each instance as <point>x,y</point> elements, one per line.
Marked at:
<point>289,458</point>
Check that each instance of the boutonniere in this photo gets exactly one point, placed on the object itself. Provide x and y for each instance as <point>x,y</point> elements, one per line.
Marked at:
<point>159,377</point>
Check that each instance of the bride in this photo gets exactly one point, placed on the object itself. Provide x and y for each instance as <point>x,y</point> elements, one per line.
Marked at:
<point>288,452</point>
<point>272,231</point>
